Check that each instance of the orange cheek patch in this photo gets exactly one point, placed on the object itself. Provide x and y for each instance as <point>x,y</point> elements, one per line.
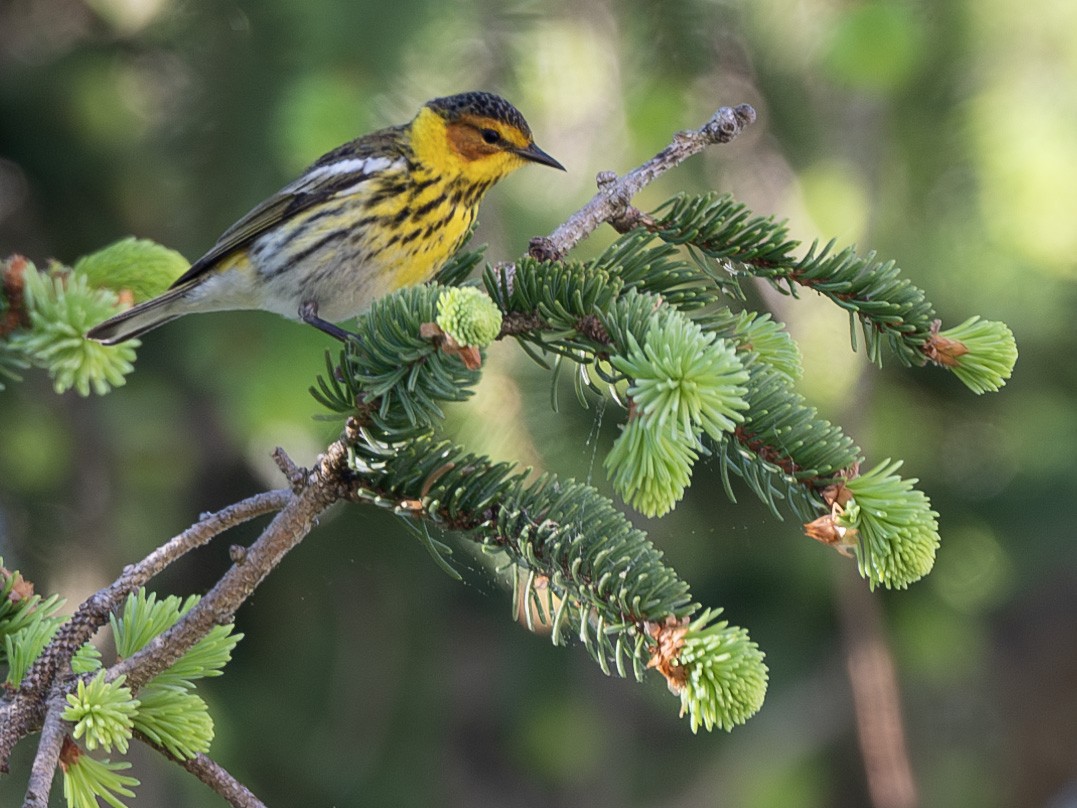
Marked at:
<point>466,141</point>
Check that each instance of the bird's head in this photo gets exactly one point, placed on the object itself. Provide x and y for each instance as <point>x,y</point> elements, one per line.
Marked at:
<point>478,135</point>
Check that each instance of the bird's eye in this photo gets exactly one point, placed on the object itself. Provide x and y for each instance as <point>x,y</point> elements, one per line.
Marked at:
<point>491,136</point>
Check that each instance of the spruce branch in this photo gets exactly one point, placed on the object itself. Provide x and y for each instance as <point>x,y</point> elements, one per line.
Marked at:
<point>326,483</point>
<point>782,449</point>
<point>105,713</point>
<point>95,611</point>
<point>44,314</point>
<point>590,314</point>
<point>586,572</point>
<point>889,308</point>
<point>586,313</point>
<point>648,324</point>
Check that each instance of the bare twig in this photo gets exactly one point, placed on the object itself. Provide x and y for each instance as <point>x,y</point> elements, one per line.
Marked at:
<point>218,778</point>
<point>93,613</point>
<point>25,712</point>
<point>295,475</point>
<point>611,203</point>
<point>212,774</point>
<point>48,753</point>
<point>327,483</point>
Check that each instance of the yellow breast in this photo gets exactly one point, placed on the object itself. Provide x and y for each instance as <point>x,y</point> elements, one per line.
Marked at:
<point>421,229</point>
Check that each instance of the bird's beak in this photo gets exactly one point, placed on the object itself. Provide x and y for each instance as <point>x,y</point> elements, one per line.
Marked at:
<point>537,155</point>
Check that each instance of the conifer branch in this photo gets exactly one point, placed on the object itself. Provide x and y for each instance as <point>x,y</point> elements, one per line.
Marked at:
<point>647,323</point>
<point>586,573</point>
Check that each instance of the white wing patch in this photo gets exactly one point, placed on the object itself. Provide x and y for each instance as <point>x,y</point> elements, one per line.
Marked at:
<point>375,164</point>
<point>360,167</point>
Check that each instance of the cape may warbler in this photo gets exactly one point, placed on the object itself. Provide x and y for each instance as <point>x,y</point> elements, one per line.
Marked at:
<point>381,212</point>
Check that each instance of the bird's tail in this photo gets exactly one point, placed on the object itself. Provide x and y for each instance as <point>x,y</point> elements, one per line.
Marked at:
<point>139,319</point>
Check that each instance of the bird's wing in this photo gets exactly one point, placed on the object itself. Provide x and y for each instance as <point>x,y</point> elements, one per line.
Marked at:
<point>339,171</point>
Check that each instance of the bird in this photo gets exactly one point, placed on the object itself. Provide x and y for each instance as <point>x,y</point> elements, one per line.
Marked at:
<point>378,213</point>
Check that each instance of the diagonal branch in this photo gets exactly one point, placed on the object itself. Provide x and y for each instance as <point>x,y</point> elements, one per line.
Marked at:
<point>94,612</point>
<point>611,203</point>
<point>212,774</point>
<point>312,492</point>
<point>25,712</point>
<point>48,754</point>
<point>327,483</point>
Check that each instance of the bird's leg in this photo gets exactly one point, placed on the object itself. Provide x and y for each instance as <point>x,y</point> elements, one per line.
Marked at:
<point>308,313</point>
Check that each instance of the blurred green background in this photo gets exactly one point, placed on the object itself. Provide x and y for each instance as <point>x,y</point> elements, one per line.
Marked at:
<point>942,134</point>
